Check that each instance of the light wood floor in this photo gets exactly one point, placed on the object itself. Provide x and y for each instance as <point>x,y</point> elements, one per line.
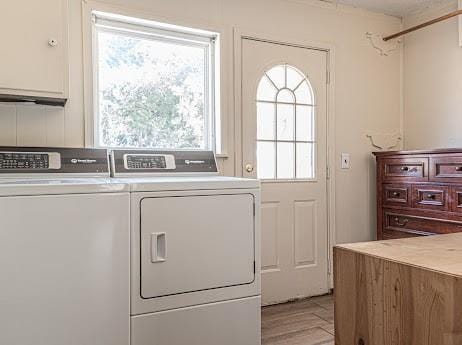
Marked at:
<point>305,322</point>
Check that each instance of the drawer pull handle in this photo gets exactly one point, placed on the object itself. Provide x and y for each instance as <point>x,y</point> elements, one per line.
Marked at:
<point>431,196</point>
<point>396,194</point>
<point>404,168</point>
<point>458,168</point>
<point>403,223</point>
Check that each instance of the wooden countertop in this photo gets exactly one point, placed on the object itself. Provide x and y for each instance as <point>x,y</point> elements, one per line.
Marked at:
<point>403,292</point>
<point>440,253</point>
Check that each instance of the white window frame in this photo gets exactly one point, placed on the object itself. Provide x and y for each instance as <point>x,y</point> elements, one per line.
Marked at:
<point>147,29</point>
<point>313,141</point>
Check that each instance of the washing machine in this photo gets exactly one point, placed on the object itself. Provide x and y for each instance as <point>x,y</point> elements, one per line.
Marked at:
<point>64,249</point>
<point>195,250</point>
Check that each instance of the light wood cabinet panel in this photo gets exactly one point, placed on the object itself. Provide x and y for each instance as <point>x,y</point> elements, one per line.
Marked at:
<point>403,292</point>
<point>34,58</point>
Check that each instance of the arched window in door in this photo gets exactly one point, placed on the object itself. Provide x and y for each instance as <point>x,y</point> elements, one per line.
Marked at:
<point>286,142</point>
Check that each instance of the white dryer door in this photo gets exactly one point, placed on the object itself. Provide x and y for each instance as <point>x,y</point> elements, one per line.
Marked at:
<point>195,243</point>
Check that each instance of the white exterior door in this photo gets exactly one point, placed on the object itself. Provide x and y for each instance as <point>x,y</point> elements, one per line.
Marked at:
<point>284,102</point>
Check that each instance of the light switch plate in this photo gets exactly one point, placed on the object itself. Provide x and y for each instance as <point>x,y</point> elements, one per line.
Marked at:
<point>345,160</point>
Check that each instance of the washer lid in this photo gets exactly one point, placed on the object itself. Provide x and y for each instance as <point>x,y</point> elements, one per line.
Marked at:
<point>47,186</point>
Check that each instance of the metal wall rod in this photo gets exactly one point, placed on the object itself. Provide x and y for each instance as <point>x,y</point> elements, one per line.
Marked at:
<point>423,25</point>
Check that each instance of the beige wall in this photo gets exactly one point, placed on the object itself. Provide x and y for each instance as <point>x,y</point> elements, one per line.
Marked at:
<point>433,83</point>
<point>367,94</point>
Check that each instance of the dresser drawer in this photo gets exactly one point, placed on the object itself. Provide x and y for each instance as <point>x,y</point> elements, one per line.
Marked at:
<point>432,197</point>
<point>415,225</point>
<point>405,169</point>
<point>393,235</point>
<point>396,195</point>
<point>446,169</point>
<point>456,199</point>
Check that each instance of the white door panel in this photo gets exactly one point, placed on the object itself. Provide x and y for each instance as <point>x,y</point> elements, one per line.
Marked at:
<point>284,97</point>
<point>195,243</point>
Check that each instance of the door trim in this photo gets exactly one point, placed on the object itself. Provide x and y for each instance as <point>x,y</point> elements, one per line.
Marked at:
<point>239,35</point>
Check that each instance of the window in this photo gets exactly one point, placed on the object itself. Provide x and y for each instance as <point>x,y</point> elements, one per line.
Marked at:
<point>154,85</point>
<point>285,125</point>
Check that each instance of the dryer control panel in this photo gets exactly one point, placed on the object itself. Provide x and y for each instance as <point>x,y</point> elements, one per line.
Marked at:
<point>142,162</point>
<point>50,160</point>
<point>149,161</point>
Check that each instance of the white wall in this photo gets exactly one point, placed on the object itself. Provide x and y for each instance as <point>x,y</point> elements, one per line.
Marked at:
<point>367,86</point>
<point>433,82</point>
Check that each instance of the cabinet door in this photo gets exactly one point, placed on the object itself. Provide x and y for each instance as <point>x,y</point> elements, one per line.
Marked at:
<point>33,35</point>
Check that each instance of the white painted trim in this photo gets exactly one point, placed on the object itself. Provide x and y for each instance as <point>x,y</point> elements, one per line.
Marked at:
<point>331,159</point>
<point>402,105</point>
<point>239,35</point>
<point>225,51</point>
<point>66,62</point>
<point>460,24</point>
<point>88,75</point>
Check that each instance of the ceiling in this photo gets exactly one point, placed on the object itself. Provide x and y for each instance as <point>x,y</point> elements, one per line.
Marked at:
<point>398,8</point>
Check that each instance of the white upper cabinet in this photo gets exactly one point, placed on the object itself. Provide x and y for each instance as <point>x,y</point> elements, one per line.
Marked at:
<point>34,48</point>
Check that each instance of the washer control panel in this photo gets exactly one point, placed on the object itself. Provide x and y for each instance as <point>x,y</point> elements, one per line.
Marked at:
<point>30,160</point>
<point>52,161</point>
<point>149,161</point>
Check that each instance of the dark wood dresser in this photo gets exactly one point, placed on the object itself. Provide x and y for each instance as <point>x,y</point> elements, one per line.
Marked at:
<point>419,193</point>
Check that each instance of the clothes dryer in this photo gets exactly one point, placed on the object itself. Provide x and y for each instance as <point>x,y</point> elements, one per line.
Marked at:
<point>195,250</point>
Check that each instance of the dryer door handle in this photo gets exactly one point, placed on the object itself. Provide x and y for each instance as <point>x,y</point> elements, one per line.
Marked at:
<point>158,247</point>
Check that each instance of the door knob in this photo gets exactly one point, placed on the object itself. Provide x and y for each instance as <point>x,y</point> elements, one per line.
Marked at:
<point>249,168</point>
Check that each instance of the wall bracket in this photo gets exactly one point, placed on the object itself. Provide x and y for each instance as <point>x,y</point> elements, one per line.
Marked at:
<point>384,48</point>
<point>384,141</point>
